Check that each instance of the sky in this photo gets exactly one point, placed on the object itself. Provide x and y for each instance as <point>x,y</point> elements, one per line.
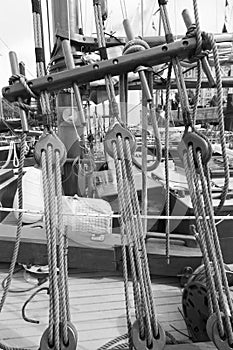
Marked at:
<point>16,27</point>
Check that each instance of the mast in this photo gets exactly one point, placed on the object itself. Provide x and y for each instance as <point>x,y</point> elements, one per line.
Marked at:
<point>70,130</point>
<point>64,17</point>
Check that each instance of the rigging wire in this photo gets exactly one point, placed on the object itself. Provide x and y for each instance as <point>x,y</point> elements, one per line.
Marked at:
<point>49,29</point>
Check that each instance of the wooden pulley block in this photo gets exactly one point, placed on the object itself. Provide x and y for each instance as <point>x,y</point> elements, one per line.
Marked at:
<point>195,310</point>
<point>213,333</point>
<point>50,139</point>
<point>141,344</point>
<point>198,143</point>
<point>112,135</point>
<point>72,339</point>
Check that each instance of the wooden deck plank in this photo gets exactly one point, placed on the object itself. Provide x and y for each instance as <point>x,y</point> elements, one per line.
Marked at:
<point>98,311</point>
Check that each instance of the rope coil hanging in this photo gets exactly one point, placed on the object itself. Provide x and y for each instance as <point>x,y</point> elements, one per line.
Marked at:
<point>146,77</point>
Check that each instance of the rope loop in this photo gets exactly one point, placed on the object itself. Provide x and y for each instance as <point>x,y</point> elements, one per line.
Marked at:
<point>135,45</point>
<point>203,49</point>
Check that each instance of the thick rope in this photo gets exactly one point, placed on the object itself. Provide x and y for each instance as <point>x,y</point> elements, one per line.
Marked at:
<point>137,45</point>
<point>123,243</point>
<point>111,343</point>
<point>220,122</point>
<point>59,314</point>
<point>197,93</point>
<point>126,227</point>
<point>61,247</point>
<point>40,63</point>
<point>18,234</point>
<point>51,230</point>
<point>48,236</point>
<point>198,206</point>
<point>108,78</point>
<point>136,226</point>
<point>19,221</point>
<point>166,155</point>
<point>218,251</point>
<point>141,240</point>
<point>177,70</point>
<point>210,238</point>
<point>198,28</point>
<point>131,220</point>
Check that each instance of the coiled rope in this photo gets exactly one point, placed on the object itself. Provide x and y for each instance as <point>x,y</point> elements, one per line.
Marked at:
<point>132,46</point>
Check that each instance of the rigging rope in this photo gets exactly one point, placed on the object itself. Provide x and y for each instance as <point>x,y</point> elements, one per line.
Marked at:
<point>113,106</point>
<point>40,58</point>
<point>18,234</point>
<point>195,161</point>
<point>166,156</point>
<point>135,45</point>
<point>132,232</point>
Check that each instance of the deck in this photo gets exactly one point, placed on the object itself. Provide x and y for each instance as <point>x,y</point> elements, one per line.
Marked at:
<point>97,307</point>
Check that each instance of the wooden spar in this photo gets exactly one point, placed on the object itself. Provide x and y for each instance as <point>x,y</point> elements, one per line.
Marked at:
<point>65,19</point>
<point>124,64</point>
<point>119,65</point>
<point>190,83</point>
<point>91,42</point>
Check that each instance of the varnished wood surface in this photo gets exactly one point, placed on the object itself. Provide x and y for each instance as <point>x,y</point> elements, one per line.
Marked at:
<point>95,255</point>
<point>97,308</point>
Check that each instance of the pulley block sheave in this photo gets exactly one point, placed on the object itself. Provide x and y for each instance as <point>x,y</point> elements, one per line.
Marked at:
<point>113,133</point>
<point>46,140</point>
<point>72,339</point>
<point>158,342</point>
<point>222,343</point>
<point>195,310</point>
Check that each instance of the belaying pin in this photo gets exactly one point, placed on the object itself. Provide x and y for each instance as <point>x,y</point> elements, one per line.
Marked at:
<point>49,138</point>
<point>113,133</point>
<point>213,333</point>
<point>72,339</point>
<point>158,343</point>
<point>198,143</point>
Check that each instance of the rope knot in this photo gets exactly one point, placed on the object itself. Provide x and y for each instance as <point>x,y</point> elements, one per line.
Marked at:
<point>21,79</point>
